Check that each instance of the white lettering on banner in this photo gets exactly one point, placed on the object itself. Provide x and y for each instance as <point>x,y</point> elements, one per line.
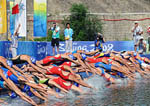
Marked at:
<point>84,47</point>
<point>90,47</point>
<point>41,49</point>
<point>62,47</point>
<point>76,46</point>
<point>108,47</point>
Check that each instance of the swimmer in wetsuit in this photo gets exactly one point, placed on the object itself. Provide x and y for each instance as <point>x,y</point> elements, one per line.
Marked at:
<point>15,80</point>
<point>61,84</point>
<point>66,75</point>
<point>25,58</point>
<point>14,88</point>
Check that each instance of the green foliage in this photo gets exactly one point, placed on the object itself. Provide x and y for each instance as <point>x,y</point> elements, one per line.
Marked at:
<point>49,37</point>
<point>22,39</point>
<point>83,24</point>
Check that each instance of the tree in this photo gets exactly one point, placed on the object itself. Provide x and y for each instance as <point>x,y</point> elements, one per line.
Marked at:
<point>83,24</point>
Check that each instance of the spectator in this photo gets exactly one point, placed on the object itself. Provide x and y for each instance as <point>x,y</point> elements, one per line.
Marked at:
<point>14,43</point>
<point>141,45</point>
<point>98,41</point>
<point>55,37</point>
<point>148,32</point>
<point>137,31</point>
<point>68,32</point>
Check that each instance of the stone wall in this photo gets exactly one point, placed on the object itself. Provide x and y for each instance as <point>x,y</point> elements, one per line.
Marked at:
<point>112,30</point>
<point>104,9</point>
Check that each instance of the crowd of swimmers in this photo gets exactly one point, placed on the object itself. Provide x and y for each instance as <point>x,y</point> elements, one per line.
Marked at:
<point>24,76</point>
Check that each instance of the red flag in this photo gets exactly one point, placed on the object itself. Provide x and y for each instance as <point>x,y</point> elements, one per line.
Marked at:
<point>15,9</point>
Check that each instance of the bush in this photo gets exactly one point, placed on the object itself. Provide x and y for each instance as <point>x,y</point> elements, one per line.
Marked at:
<point>49,37</point>
<point>83,24</point>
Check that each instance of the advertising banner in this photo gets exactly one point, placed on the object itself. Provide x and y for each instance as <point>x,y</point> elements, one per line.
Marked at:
<point>20,17</point>
<point>3,17</point>
<point>40,18</point>
<point>12,19</point>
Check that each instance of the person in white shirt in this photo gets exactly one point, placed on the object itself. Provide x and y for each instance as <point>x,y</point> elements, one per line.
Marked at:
<point>141,45</point>
<point>14,43</point>
<point>137,32</point>
<point>68,32</point>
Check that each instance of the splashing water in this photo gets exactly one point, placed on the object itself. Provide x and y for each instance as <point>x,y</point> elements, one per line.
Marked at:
<point>123,93</point>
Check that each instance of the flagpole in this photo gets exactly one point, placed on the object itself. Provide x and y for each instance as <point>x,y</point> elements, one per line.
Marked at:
<point>26,23</point>
<point>7,21</point>
<point>46,19</point>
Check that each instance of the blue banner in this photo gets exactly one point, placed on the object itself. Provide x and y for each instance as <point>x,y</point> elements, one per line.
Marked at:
<point>40,18</point>
<point>43,49</point>
<point>12,18</point>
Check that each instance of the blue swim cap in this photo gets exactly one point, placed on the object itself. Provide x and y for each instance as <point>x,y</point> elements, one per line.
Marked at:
<point>72,57</point>
<point>13,95</point>
<point>76,84</point>
<point>74,52</point>
<point>134,53</point>
<point>57,89</point>
<point>83,56</point>
<point>26,88</point>
<point>33,60</point>
<point>5,73</point>
<point>10,63</point>
<point>29,93</point>
<point>2,84</point>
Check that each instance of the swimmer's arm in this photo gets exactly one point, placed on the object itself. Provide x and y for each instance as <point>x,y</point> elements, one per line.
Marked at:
<point>18,69</point>
<point>58,86</point>
<point>35,86</point>
<point>82,63</point>
<point>37,68</point>
<point>50,76</point>
<point>52,92</point>
<point>92,52</point>
<point>9,68</point>
<point>72,60</point>
<point>37,94</point>
<point>13,87</point>
<point>39,65</point>
<point>67,68</point>
<point>90,68</point>
<point>115,52</point>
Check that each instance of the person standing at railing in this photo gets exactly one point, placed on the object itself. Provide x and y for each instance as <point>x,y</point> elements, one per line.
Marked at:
<point>55,37</point>
<point>68,32</point>
<point>137,32</point>
<point>141,45</point>
<point>14,43</point>
<point>148,32</point>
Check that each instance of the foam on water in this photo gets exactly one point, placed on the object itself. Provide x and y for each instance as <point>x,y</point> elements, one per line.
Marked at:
<point>97,96</point>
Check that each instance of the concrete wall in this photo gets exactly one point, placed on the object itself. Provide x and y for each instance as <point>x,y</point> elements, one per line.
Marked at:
<point>121,30</point>
<point>112,30</point>
<point>112,9</point>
